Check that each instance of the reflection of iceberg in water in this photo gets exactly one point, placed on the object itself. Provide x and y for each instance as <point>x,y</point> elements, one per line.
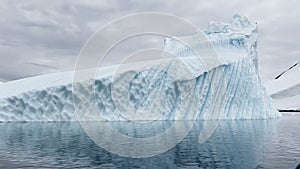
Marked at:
<point>235,144</point>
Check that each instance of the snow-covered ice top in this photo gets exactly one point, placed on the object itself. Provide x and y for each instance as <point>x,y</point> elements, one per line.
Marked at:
<point>240,31</point>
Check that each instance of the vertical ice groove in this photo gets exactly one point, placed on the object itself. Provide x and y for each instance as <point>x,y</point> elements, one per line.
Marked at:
<point>221,95</point>
<point>239,94</point>
<point>234,100</point>
<point>233,81</point>
<point>206,94</point>
<point>234,86</point>
<point>227,90</point>
<point>201,93</point>
<point>243,111</point>
<point>243,92</point>
<point>216,112</point>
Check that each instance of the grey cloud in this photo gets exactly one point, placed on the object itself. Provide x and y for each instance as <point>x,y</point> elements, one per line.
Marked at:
<point>43,66</point>
<point>51,34</point>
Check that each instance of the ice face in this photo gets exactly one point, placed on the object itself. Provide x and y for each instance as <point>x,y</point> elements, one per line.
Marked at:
<point>232,91</point>
<point>224,87</point>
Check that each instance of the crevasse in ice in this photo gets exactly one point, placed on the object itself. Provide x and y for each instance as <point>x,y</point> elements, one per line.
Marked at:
<point>220,85</point>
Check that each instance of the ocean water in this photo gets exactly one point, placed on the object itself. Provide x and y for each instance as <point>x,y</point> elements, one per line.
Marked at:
<point>237,144</point>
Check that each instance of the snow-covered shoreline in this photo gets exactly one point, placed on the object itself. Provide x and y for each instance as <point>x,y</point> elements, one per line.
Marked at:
<point>285,90</point>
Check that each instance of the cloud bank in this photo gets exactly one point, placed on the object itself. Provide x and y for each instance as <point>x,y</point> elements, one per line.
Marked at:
<point>39,37</point>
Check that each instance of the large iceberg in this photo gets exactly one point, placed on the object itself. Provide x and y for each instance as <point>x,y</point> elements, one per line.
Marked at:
<point>229,88</point>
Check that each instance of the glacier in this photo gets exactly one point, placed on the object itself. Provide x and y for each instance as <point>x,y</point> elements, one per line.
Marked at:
<point>229,88</point>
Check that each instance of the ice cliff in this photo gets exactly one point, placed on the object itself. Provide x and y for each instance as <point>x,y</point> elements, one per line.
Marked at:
<point>229,88</point>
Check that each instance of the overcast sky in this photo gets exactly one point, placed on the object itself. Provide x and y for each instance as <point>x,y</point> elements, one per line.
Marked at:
<point>39,37</point>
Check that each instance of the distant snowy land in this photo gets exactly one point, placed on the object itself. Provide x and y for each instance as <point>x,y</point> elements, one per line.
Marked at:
<point>285,89</point>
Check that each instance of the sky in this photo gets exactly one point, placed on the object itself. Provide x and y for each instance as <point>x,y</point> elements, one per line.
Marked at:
<point>40,37</point>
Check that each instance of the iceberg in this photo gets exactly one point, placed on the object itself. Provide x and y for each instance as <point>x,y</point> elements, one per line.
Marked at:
<point>226,87</point>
